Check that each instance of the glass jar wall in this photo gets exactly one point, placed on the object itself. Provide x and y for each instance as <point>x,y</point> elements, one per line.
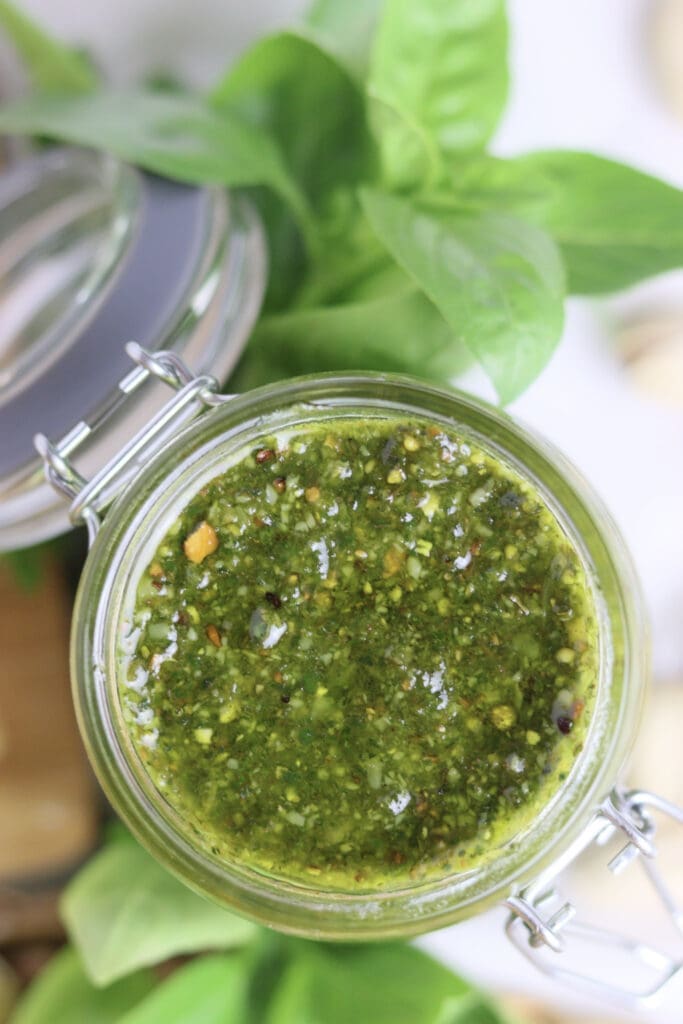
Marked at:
<point>133,528</point>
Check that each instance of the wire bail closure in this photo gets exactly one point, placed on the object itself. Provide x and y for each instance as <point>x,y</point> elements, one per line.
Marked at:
<point>535,926</point>
<point>89,498</point>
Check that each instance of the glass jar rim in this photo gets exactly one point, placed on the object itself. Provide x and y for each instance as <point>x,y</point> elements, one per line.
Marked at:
<point>180,267</point>
<point>171,478</point>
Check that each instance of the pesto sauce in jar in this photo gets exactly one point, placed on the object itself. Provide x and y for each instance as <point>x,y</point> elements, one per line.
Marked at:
<point>365,655</point>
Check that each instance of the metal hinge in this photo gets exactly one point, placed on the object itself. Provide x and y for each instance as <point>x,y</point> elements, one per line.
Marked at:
<point>543,925</point>
<point>89,498</point>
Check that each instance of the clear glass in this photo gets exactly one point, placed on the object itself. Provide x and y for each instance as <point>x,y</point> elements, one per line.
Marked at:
<point>69,222</point>
<point>146,509</point>
<point>64,230</point>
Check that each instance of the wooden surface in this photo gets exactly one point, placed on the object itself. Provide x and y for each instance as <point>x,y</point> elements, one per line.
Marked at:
<point>47,796</point>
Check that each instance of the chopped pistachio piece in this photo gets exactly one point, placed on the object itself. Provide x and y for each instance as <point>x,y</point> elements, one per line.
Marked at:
<point>203,736</point>
<point>201,542</point>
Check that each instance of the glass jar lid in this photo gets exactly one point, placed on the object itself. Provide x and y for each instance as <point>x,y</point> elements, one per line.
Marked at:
<point>94,253</point>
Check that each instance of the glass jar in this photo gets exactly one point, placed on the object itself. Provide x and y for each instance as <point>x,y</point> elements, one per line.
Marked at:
<point>134,527</point>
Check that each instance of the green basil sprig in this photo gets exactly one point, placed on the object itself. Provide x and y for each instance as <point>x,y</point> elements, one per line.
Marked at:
<point>363,140</point>
<point>124,914</point>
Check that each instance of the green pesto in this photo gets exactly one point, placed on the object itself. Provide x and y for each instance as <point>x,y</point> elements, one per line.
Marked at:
<point>381,673</point>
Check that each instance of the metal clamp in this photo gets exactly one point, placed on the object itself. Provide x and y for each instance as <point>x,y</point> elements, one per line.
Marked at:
<point>89,498</point>
<point>542,924</point>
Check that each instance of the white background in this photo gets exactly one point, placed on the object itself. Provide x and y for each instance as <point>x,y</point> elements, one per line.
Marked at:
<point>582,79</point>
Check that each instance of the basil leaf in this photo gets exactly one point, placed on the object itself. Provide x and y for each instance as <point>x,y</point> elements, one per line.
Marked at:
<point>477,1010</point>
<point>496,280</point>
<point>401,331</point>
<point>353,258</point>
<point>62,994</point>
<point>386,983</point>
<point>124,911</point>
<point>176,135</point>
<point>614,224</point>
<point>269,88</point>
<point>346,30</point>
<point>409,153</point>
<point>26,565</point>
<point>280,86</point>
<point>114,831</point>
<point>443,66</point>
<point>288,254</point>
<point>51,66</point>
<point>209,990</point>
<point>296,93</point>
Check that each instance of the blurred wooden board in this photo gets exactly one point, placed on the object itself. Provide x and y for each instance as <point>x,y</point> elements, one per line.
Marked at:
<point>48,815</point>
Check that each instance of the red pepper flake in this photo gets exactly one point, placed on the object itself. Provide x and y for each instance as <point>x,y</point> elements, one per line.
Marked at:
<point>475,546</point>
<point>578,708</point>
<point>397,857</point>
<point>213,635</point>
<point>278,677</point>
<point>280,484</point>
<point>264,455</point>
